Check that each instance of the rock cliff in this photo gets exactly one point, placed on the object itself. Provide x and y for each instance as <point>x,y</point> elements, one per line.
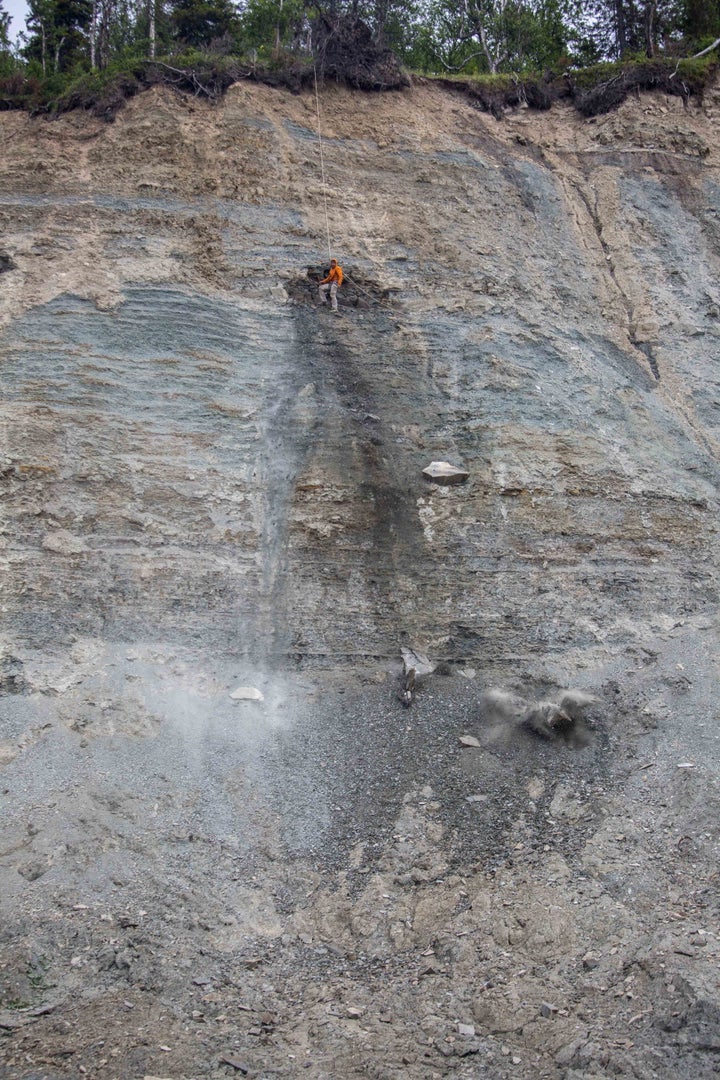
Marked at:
<point>209,482</point>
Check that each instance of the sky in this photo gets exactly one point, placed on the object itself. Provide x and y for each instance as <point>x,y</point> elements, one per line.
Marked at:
<point>18,10</point>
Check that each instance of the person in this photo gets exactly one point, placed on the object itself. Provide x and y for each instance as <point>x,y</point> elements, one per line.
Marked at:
<point>331,284</point>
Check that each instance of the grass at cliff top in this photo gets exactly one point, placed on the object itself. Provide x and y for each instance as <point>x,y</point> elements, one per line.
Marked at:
<point>593,90</point>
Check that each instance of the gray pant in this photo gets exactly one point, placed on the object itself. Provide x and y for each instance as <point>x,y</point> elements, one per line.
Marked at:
<point>332,289</point>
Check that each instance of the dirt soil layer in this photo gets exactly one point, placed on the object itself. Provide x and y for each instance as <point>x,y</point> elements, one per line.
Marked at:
<point>228,849</point>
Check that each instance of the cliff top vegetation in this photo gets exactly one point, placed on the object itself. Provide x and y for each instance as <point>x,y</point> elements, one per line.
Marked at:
<point>94,54</point>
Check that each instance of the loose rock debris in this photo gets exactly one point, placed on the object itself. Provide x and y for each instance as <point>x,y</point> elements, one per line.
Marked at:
<point>547,719</point>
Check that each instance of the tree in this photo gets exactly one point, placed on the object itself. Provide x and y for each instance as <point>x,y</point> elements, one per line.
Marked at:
<point>701,19</point>
<point>198,22</point>
<point>5,21</point>
<point>273,24</point>
<point>103,15</point>
<point>498,35</point>
<point>57,33</point>
<point>618,28</point>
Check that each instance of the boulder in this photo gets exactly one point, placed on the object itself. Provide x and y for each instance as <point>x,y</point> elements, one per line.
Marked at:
<point>445,474</point>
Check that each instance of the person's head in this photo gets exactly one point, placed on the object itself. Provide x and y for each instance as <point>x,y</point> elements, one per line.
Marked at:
<point>333,262</point>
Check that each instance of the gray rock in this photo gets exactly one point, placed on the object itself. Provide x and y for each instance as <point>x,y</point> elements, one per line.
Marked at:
<point>62,542</point>
<point>566,1053</point>
<point>445,474</point>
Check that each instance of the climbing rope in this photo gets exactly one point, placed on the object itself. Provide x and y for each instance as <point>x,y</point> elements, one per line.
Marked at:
<point>376,299</point>
<point>322,162</point>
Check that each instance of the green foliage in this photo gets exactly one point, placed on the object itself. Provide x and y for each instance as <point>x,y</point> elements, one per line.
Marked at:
<point>696,74</point>
<point>492,36</point>
<point>4,30</point>
<point>57,39</point>
<point>497,93</point>
<point>201,22</point>
<point>93,54</point>
<point>268,26</point>
<point>645,72</point>
<point>593,90</point>
<point>603,87</point>
<point>101,92</point>
<point>588,77</point>
<point>700,21</point>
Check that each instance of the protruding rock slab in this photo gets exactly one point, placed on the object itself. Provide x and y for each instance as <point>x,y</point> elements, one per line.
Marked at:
<point>417,662</point>
<point>442,472</point>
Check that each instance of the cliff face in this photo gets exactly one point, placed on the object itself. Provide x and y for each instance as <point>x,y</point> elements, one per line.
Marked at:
<point>552,321</point>
<point>209,482</point>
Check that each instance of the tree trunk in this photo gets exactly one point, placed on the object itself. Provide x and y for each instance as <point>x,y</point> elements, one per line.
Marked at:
<point>381,14</point>
<point>620,27</point>
<point>93,36</point>
<point>151,31</point>
<point>277,29</point>
<point>103,37</point>
<point>58,47</point>
<point>650,12</point>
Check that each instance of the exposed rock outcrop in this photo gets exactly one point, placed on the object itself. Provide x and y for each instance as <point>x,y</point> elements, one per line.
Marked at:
<point>209,486</point>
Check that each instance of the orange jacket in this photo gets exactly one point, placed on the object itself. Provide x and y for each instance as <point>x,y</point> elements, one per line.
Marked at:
<point>335,274</point>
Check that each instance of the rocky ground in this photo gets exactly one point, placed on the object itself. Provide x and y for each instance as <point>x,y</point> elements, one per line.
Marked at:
<point>208,484</point>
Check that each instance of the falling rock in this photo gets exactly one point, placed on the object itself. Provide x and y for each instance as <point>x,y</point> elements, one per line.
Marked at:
<point>469,740</point>
<point>247,693</point>
<point>442,472</point>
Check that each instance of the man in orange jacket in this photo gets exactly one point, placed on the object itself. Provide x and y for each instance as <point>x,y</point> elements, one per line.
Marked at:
<point>331,284</point>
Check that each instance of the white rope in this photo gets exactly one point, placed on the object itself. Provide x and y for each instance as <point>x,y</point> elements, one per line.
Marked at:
<point>376,299</point>
<point>322,163</point>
